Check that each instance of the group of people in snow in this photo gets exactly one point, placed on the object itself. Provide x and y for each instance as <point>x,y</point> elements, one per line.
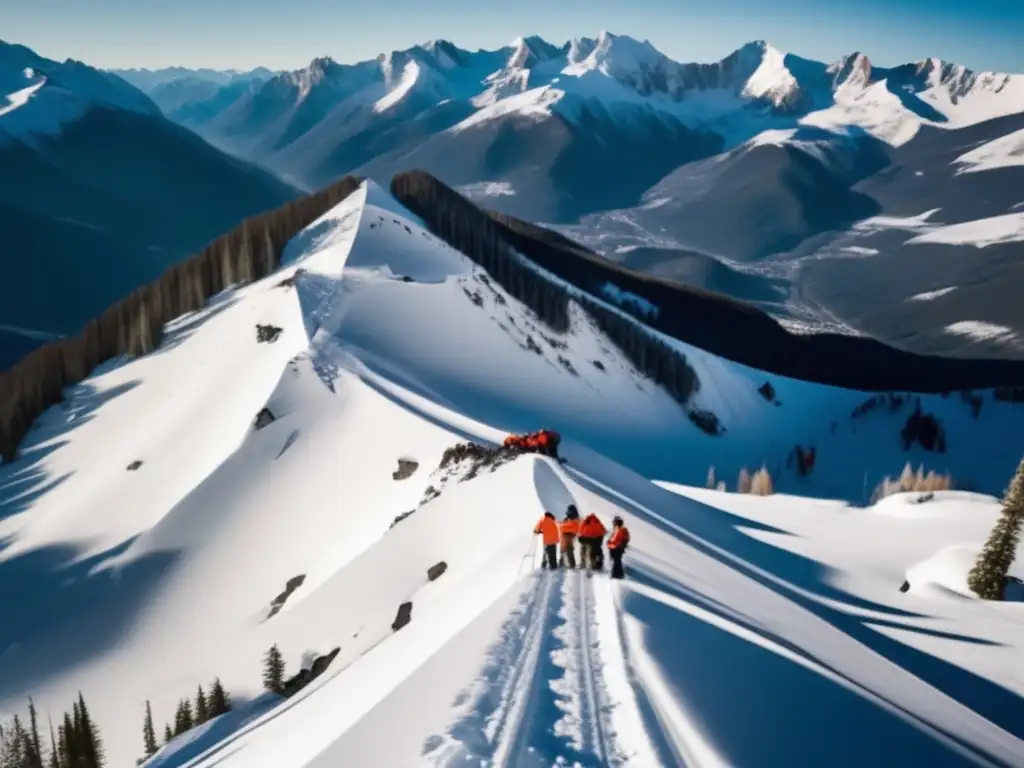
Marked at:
<point>590,532</point>
<point>543,441</point>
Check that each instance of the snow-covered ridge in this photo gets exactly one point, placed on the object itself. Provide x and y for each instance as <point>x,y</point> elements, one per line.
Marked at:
<point>394,346</point>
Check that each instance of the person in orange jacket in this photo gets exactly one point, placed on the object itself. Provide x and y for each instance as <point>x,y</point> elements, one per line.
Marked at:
<point>617,544</point>
<point>570,529</point>
<point>548,528</point>
<point>591,536</point>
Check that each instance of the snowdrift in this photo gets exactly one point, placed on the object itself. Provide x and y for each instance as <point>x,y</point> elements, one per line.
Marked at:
<point>152,520</point>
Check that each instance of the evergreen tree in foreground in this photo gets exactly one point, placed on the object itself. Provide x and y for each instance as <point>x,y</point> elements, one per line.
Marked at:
<point>34,756</point>
<point>202,707</point>
<point>988,576</point>
<point>218,702</point>
<point>54,754</point>
<point>88,737</point>
<point>168,733</point>
<point>273,670</point>
<point>13,741</point>
<point>148,733</point>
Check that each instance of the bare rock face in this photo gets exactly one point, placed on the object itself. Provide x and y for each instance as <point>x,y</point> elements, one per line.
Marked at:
<point>278,603</point>
<point>402,517</point>
<point>307,676</point>
<point>263,418</point>
<point>404,616</point>
<point>435,571</point>
<point>267,334</point>
<point>406,468</point>
<point>134,465</point>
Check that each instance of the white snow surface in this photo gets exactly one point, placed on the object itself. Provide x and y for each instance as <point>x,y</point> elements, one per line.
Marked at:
<point>929,295</point>
<point>1005,152</point>
<point>1008,228</point>
<point>749,631</point>
<point>981,331</point>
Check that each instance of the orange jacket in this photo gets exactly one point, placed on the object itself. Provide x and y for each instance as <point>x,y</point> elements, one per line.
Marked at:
<point>571,526</point>
<point>549,529</point>
<point>619,537</point>
<point>592,528</point>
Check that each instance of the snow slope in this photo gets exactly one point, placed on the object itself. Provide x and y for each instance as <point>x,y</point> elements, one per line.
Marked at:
<point>751,631</point>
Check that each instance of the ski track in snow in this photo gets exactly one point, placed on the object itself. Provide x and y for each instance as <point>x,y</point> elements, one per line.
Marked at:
<point>543,697</point>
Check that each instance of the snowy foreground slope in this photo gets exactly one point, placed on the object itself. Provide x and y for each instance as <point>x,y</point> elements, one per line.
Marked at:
<point>750,631</point>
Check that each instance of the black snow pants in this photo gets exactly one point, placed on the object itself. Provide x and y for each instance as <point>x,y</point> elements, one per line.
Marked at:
<point>550,557</point>
<point>616,556</point>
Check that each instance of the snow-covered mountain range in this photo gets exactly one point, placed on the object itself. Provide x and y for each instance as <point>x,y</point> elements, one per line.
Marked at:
<point>99,193</point>
<point>182,511</point>
<point>766,175</point>
<point>312,124</point>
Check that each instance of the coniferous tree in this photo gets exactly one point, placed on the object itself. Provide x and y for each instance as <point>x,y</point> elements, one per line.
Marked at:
<point>66,743</point>
<point>988,576</point>
<point>219,703</point>
<point>13,741</point>
<point>273,670</point>
<point>202,708</point>
<point>54,754</point>
<point>89,738</point>
<point>168,733</point>
<point>34,747</point>
<point>183,717</point>
<point>149,733</point>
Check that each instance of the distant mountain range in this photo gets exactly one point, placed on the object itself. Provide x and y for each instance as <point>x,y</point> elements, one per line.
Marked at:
<point>795,184</point>
<point>99,193</point>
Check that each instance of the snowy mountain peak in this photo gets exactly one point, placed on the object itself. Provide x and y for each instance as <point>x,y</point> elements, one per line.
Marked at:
<point>42,94</point>
<point>579,49</point>
<point>853,71</point>
<point>622,58</point>
<point>445,54</point>
<point>772,81</point>
<point>529,51</point>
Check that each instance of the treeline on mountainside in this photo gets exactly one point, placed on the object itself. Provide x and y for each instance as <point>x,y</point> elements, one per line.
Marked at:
<point>463,226</point>
<point>76,743</point>
<point>710,321</point>
<point>134,325</point>
<point>487,241</point>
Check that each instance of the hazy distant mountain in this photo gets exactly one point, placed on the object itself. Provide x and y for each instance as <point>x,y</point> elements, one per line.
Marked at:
<point>100,193</point>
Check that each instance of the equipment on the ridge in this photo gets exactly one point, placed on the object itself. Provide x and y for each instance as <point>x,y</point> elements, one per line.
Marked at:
<point>617,544</point>
<point>591,536</point>
<point>570,529</point>
<point>544,442</point>
<point>548,529</point>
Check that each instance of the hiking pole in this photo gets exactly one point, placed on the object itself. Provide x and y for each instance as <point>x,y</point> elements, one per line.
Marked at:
<point>532,552</point>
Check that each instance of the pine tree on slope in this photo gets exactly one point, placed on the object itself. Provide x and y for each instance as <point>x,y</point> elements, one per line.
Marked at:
<point>219,702</point>
<point>168,733</point>
<point>54,754</point>
<point>148,732</point>
<point>89,736</point>
<point>202,707</point>
<point>273,670</point>
<point>34,750</point>
<point>988,576</point>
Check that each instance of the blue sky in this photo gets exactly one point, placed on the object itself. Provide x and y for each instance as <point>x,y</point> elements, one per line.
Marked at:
<point>982,34</point>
